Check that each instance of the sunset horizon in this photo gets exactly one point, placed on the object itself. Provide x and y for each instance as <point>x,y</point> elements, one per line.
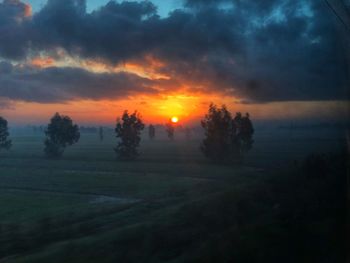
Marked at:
<point>332,112</point>
<point>182,131</point>
<point>51,68</point>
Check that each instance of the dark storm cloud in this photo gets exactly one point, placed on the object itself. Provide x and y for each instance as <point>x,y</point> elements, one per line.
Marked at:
<point>115,32</point>
<point>65,84</point>
<point>292,51</point>
<point>120,31</point>
<point>257,50</point>
<point>14,29</point>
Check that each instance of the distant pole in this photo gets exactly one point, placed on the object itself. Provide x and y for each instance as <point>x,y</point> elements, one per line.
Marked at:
<point>170,129</point>
<point>151,132</point>
<point>188,133</point>
<point>100,132</point>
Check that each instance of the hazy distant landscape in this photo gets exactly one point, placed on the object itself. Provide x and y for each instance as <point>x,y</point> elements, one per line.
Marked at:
<point>171,204</point>
<point>272,144</point>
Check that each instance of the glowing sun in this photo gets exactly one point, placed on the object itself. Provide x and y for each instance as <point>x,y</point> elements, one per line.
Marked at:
<point>174,119</point>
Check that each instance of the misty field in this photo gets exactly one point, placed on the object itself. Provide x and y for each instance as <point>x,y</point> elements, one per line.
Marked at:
<point>171,204</point>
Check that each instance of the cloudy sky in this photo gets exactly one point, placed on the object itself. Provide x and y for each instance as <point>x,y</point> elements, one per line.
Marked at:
<point>92,59</point>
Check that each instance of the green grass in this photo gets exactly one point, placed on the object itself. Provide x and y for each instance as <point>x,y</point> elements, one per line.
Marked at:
<point>170,205</point>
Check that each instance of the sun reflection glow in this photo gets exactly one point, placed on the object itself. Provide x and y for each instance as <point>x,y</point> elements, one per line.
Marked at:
<point>174,119</point>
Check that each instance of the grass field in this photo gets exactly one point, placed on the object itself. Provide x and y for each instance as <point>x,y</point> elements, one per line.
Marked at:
<point>170,205</point>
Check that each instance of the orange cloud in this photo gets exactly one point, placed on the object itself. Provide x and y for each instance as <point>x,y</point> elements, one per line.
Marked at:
<point>147,67</point>
<point>27,10</point>
<point>43,62</point>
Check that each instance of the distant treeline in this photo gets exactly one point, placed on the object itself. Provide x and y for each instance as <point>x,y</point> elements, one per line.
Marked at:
<point>92,129</point>
<point>82,129</point>
<point>226,136</point>
<point>321,125</point>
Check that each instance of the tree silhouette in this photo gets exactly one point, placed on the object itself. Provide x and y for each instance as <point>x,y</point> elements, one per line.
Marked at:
<point>226,138</point>
<point>128,129</point>
<point>218,132</point>
<point>5,143</point>
<point>242,133</point>
<point>100,133</point>
<point>170,129</point>
<point>60,133</point>
<point>151,132</point>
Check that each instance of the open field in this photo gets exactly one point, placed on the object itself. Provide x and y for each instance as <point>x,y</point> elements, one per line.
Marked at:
<point>170,205</point>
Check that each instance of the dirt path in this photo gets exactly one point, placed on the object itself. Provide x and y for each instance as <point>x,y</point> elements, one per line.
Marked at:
<point>96,197</point>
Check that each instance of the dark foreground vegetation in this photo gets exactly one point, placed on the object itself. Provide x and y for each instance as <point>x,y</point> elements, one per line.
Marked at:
<point>296,214</point>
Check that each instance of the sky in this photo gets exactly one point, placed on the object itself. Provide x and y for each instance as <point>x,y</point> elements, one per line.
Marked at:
<point>163,6</point>
<point>91,60</point>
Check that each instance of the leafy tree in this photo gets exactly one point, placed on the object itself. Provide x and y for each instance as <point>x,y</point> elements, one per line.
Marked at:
<point>226,138</point>
<point>170,129</point>
<point>5,143</point>
<point>151,132</point>
<point>60,133</point>
<point>218,132</point>
<point>128,129</point>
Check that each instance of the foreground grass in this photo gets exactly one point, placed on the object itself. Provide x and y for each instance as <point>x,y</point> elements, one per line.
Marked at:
<point>87,209</point>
